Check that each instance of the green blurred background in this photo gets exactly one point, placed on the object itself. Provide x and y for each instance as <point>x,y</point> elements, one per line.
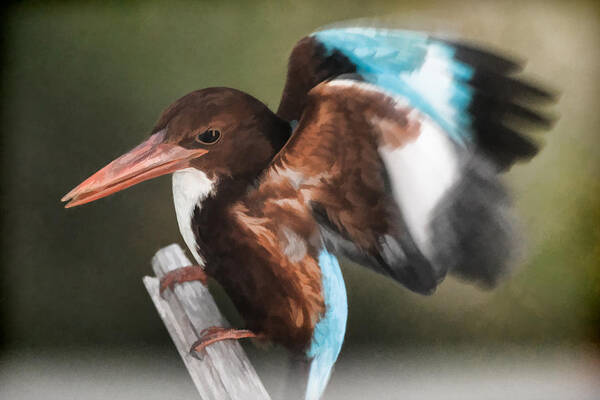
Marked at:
<point>84,82</point>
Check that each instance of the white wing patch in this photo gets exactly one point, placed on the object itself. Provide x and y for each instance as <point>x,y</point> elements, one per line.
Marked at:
<point>435,80</point>
<point>421,172</point>
<point>190,187</point>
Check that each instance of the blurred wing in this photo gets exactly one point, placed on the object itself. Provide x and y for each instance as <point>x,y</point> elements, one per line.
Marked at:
<point>399,167</point>
<point>471,94</point>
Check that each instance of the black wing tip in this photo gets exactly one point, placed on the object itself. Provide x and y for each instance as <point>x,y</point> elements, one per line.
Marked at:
<point>533,118</point>
<point>502,124</point>
<point>492,108</point>
<point>509,87</point>
<point>544,92</point>
<point>505,106</point>
<point>481,57</point>
<point>505,145</point>
<point>492,63</point>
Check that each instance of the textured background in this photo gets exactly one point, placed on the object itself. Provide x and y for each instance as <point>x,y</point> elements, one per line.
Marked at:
<point>84,82</point>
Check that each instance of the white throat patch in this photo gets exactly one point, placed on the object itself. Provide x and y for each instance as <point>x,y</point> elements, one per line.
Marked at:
<point>190,188</point>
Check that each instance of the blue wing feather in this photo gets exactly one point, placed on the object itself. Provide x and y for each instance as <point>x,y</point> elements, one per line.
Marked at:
<point>413,65</point>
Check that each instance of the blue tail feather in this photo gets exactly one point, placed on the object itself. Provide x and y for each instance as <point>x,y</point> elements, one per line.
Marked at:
<point>330,330</point>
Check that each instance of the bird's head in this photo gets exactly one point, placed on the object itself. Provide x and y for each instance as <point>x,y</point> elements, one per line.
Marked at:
<point>219,131</point>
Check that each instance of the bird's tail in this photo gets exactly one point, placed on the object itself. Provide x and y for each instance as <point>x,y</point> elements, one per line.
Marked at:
<point>329,332</point>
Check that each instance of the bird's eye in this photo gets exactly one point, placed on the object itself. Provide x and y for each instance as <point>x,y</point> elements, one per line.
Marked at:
<point>209,136</point>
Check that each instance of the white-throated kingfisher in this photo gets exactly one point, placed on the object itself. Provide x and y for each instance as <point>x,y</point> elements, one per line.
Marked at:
<point>386,149</point>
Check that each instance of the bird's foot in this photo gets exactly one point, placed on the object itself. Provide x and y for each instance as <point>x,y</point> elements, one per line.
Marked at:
<point>215,334</point>
<point>180,275</point>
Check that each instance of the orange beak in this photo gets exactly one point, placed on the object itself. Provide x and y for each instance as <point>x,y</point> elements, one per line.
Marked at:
<point>148,160</point>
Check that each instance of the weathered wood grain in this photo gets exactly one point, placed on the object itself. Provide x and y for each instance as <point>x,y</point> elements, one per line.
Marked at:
<point>225,371</point>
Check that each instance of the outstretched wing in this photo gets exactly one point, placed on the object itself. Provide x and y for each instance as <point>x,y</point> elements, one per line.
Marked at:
<point>468,92</point>
<point>399,164</point>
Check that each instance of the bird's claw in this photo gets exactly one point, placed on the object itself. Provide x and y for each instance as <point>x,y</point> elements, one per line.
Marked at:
<point>215,334</point>
<point>180,275</point>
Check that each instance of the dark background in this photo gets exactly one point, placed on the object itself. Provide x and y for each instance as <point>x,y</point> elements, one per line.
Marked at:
<point>84,82</point>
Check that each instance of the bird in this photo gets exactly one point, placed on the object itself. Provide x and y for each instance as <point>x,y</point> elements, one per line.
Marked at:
<point>387,149</point>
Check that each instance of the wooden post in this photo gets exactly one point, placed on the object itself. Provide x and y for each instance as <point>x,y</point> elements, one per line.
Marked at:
<point>225,371</point>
